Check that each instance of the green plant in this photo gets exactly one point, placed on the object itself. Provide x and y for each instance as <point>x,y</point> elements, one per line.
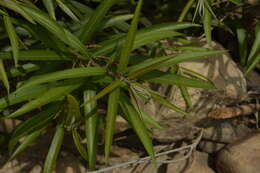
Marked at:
<point>70,64</point>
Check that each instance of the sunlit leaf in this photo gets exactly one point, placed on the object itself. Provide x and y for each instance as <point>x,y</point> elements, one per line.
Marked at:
<point>66,74</point>
<point>129,42</point>
<point>26,142</point>
<point>13,38</point>
<point>67,10</point>
<point>34,123</point>
<point>144,36</point>
<point>112,110</point>
<point>77,141</point>
<point>3,76</point>
<point>47,97</point>
<point>54,150</point>
<point>175,79</point>
<point>134,118</point>
<point>15,7</point>
<point>91,129</point>
<point>49,5</point>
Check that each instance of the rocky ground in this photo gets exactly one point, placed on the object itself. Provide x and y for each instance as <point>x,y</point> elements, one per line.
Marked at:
<point>221,137</point>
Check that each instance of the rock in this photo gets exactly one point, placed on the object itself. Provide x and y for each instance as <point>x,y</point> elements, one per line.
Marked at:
<point>220,69</point>
<point>199,163</point>
<point>242,156</point>
<point>210,147</point>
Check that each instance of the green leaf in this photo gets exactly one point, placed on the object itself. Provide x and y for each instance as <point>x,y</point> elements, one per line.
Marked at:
<point>133,117</point>
<point>112,110</point>
<point>37,55</point>
<point>242,41</point>
<point>65,74</point>
<point>91,129</point>
<point>49,96</point>
<point>104,91</point>
<point>52,26</point>
<point>254,63</point>
<point>54,150</point>
<point>96,18</point>
<point>49,5</point>
<point>175,79</point>
<point>116,20</point>
<point>21,95</point>
<point>183,57</point>
<point>162,100</point>
<point>26,142</point>
<point>79,146</point>
<point>167,103</point>
<point>35,123</point>
<point>149,120</point>
<point>185,10</point>
<point>237,2</point>
<point>13,38</point>
<point>186,96</point>
<point>147,65</point>
<point>256,45</point>
<point>43,35</point>
<point>23,69</point>
<point>3,76</point>
<point>15,7</point>
<point>207,20</point>
<point>67,10</point>
<point>73,116</point>
<point>129,42</point>
<point>144,36</point>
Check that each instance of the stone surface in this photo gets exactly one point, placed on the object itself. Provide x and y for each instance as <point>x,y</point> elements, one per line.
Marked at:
<point>242,156</point>
<point>199,163</point>
<point>220,69</point>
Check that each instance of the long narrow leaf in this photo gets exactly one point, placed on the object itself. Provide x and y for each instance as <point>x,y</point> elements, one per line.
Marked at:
<point>175,79</point>
<point>112,111</point>
<point>66,74</point>
<point>37,122</point>
<point>207,20</point>
<point>49,5</point>
<point>63,34</point>
<point>104,92</point>
<point>256,45</point>
<point>138,125</point>
<point>26,142</point>
<point>47,97</point>
<point>128,45</point>
<point>3,76</point>
<point>54,149</point>
<point>77,141</point>
<point>23,69</point>
<point>37,55</point>
<point>144,36</point>
<point>242,41</point>
<point>90,27</point>
<point>15,7</point>
<point>254,63</point>
<point>183,57</point>
<point>92,123</point>
<point>160,99</point>
<point>67,10</point>
<point>13,38</point>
